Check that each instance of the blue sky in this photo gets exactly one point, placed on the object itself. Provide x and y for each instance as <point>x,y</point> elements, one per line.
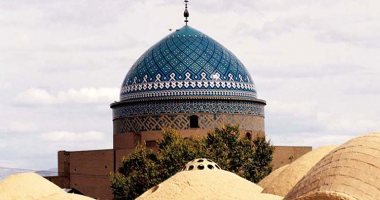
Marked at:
<point>316,63</point>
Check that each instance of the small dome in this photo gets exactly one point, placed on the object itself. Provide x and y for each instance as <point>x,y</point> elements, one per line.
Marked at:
<point>282,180</point>
<point>201,164</point>
<point>188,64</point>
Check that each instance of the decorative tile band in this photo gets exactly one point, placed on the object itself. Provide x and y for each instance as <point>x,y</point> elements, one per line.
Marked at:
<point>191,84</point>
<point>188,88</point>
<point>182,122</point>
<point>198,92</point>
<point>188,106</point>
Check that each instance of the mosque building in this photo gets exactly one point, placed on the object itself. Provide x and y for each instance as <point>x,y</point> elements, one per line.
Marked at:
<point>188,82</point>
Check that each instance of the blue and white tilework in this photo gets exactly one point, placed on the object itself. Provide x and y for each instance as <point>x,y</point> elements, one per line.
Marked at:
<point>187,63</point>
<point>188,106</point>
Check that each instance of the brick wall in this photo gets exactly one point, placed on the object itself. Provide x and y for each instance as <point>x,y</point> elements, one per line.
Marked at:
<point>124,137</point>
<point>283,155</point>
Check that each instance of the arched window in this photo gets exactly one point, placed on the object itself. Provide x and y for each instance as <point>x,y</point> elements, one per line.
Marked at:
<point>137,139</point>
<point>194,121</point>
<point>248,135</point>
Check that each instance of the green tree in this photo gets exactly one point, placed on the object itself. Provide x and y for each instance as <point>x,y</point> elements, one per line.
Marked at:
<point>175,151</point>
<point>144,168</point>
<point>138,173</point>
<point>249,159</point>
<point>258,166</point>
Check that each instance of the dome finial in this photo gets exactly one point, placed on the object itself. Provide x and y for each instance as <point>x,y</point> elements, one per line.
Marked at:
<point>186,13</point>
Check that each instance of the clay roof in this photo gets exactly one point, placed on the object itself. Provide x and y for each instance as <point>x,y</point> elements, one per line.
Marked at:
<point>282,180</point>
<point>30,186</point>
<point>350,172</point>
<point>206,184</point>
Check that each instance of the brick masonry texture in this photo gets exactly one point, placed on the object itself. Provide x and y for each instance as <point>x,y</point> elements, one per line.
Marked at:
<point>352,172</point>
<point>181,121</point>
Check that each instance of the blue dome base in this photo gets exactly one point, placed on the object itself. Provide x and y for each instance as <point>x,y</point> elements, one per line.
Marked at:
<point>156,108</point>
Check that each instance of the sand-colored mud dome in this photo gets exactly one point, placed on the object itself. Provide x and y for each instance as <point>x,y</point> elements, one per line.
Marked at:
<point>350,172</point>
<point>282,180</point>
<point>272,177</point>
<point>206,184</point>
<point>30,186</point>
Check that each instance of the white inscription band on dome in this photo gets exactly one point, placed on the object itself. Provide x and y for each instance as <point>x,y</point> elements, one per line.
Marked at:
<point>197,92</point>
<point>229,86</point>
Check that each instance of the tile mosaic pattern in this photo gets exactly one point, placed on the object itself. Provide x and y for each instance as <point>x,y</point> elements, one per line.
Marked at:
<point>187,62</point>
<point>188,106</point>
<point>182,121</point>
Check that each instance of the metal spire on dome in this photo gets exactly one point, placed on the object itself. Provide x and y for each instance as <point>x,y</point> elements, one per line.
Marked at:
<point>186,13</point>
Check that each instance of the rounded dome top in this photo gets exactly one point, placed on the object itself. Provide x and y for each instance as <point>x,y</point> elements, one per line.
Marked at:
<point>188,64</point>
<point>201,164</point>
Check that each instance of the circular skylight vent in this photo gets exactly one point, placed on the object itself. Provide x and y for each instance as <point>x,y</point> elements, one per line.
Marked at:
<point>201,164</point>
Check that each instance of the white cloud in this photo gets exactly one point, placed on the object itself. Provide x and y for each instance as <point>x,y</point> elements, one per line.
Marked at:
<point>66,136</point>
<point>338,122</point>
<point>39,150</point>
<point>18,126</point>
<point>5,85</point>
<point>37,96</point>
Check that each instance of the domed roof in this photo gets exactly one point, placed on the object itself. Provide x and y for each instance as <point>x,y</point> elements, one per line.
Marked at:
<point>188,64</point>
<point>201,164</point>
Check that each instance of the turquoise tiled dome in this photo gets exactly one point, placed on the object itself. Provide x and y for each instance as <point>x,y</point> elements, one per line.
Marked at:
<point>188,64</point>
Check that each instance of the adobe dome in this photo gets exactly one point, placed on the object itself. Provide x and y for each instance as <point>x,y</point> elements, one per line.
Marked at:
<point>282,180</point>
<point>188,64</point>
<point>350,172</point>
